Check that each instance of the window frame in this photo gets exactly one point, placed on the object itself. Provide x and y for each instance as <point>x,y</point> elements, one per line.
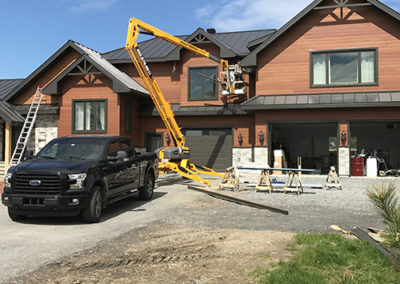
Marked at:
<point>327,71</point>
<point>202,93</point>
<point>74,131</point>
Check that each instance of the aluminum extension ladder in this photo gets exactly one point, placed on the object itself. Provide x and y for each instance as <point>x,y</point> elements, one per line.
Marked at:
<point>26,129</point>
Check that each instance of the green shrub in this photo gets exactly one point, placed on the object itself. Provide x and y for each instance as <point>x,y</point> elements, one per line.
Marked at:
<point>386,200</point>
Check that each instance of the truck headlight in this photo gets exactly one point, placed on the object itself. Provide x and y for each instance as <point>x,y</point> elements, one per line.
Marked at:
<point>79,180</point>
<point>7,180</point>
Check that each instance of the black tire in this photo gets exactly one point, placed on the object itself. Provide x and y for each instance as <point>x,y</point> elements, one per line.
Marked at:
<point>146,191</point>
<point>15,216</point>
<point>92,212</point>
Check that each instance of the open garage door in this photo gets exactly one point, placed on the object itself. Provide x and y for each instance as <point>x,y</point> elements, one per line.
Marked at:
<point>211,147</point>
<point>380,139</point>
<point>315,143</point>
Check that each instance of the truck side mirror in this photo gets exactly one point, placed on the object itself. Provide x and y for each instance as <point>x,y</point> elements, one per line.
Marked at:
<point>28,155</point>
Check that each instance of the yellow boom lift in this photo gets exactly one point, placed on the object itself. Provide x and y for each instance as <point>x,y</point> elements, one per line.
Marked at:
<point>177,158</point>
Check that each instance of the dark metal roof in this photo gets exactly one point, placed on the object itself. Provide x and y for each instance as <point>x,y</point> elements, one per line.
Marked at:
<point>306,101</point>
<point>156,50</point>
<point>124,82</point>
<point>251,59</point>
<point>9,114</point>
<point>230,109</point>
<point>43,109</point>
<point>7,85</point>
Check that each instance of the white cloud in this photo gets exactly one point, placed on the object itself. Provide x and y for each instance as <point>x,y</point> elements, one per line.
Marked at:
<point>81,6</point>
<point>250,14</point>
<point>225,15</point>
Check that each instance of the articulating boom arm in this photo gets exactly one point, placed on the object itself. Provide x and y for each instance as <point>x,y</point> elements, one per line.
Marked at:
<point>135,27</point>
<point>178,157</point>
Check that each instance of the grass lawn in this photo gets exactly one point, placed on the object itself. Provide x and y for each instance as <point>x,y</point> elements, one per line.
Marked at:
<point>330,258</point>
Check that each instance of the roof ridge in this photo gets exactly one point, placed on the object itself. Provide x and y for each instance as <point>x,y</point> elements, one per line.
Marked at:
<point>246,31</point>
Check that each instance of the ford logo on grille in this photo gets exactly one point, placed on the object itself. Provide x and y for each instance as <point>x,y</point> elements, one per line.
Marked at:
<point>35,182</point>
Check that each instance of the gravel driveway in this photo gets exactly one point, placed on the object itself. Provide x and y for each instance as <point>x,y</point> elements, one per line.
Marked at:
<point>27,245</point>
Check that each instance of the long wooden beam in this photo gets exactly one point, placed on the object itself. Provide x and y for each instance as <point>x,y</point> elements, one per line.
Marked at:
<point>237,200</point>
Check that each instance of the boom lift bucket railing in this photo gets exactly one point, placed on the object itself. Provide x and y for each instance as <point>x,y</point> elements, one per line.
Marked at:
<point>173,158</point>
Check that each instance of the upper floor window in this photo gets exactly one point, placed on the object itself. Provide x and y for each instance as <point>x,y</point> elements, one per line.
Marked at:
<point>202,83</point>
<point>343,68</point>
<point>89,116</point>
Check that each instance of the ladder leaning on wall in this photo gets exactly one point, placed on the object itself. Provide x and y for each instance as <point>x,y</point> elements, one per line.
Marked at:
<point>26,129</point>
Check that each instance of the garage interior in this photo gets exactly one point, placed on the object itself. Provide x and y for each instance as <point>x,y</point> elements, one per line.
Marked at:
<point>378,139</point>
<point>315,143</point>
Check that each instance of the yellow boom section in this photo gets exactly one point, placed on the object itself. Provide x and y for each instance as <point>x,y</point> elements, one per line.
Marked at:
<point>178,164</point>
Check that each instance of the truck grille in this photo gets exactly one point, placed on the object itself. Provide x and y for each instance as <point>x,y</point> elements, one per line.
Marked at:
<point>49,184</point>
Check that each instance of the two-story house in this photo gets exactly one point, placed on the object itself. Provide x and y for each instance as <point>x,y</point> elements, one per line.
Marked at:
<point>323,87</point>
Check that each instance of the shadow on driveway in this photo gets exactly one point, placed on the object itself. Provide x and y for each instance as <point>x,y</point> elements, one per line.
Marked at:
<point>112,210</point>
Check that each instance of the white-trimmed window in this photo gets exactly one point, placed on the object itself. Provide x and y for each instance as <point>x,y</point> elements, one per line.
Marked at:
<point>343,68</point>
<point>89,116</point>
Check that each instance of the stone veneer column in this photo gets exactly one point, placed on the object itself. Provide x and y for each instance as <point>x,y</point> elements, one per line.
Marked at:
<point>44,131</point>
<point>261,155</point>
<point>344,161</point>
<point>242,155</point>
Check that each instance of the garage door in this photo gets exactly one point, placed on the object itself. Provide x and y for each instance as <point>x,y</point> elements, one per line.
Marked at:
<point>211,147</point>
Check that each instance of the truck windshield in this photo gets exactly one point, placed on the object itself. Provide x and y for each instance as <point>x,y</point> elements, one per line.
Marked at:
<point>85,149</point>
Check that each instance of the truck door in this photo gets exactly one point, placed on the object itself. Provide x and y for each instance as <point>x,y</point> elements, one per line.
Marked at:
<point>116,169</point>
<point>132,166</point>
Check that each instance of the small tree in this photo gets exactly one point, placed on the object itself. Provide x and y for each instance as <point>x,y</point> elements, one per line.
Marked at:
<point>386,200</point>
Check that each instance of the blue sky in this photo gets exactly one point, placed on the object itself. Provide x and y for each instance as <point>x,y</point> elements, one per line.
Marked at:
<point>32,30</point>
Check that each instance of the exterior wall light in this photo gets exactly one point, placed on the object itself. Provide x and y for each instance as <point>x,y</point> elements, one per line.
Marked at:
<point>240,139</point>
<point>168,139</point>
<point>343,136</point>
<point>261,137</point>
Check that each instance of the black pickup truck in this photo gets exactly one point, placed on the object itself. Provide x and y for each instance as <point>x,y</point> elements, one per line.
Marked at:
<point>78,175</point>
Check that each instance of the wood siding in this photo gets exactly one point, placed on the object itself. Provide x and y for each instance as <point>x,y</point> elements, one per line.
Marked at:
<point>26,96</point>
<point>135,134</point>
<point>167,76</point>
<point>172,77</point>
<point>284,66</point>
<point>98,87</point>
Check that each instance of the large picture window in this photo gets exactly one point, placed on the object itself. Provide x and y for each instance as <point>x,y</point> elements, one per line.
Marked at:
<point>202,83</point>
<point>89,116</point>
<point>343,68</point>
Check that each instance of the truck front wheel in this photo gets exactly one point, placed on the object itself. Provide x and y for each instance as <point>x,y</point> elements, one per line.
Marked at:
<point>92,212</point>
<point>146,191</point>
<point>15,216</point>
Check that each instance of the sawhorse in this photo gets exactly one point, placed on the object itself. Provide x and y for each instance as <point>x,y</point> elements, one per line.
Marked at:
<point>267,185</point>
<point>293,177</point>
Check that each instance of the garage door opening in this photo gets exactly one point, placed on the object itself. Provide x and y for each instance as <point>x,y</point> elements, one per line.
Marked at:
<point>315,143</point>
<point>210,147</point>
<point>377,139</point>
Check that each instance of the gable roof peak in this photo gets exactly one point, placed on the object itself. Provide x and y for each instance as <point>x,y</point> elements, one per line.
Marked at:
<point>251,59</point>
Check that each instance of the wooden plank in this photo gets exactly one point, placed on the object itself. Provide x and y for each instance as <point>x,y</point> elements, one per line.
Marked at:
<point>237,200</point>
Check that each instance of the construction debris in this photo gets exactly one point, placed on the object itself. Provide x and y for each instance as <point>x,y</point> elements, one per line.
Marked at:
<point>237,200</point>
<point>338,229</point>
